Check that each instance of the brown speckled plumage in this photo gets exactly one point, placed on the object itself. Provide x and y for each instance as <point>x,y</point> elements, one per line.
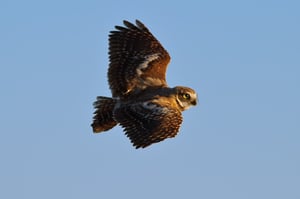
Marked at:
<point>147,109</point>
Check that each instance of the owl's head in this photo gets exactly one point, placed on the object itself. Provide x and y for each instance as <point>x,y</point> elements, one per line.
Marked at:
<point>185,97</point>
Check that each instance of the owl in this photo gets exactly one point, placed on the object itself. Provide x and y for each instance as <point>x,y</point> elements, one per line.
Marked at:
<point>148,110</point>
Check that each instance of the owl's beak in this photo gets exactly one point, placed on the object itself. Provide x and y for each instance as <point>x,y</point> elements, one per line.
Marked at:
<point>194,102</point>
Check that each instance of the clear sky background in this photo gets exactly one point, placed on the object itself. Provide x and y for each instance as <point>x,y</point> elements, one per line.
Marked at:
<point>241,142</point>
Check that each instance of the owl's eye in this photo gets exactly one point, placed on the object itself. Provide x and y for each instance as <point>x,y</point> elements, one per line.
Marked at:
<point>186,96</point>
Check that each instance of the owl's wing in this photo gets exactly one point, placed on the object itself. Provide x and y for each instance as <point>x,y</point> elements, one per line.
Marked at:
<point>146,123</point>
<point>137,59</point>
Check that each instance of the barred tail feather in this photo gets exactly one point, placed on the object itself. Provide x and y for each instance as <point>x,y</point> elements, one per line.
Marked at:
<point>103,115</point>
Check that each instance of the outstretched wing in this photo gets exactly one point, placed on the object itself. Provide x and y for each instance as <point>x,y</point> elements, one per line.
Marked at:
<point>146,123</point>
<point>137,59</point>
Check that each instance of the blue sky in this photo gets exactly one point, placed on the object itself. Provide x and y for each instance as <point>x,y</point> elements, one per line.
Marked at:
<point>240,142</point>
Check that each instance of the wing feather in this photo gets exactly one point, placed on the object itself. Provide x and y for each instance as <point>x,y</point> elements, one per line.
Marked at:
<point>137,59</point>
<point>146,123</point>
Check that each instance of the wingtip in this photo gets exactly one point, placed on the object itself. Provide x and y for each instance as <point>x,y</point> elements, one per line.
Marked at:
<point>138,24</point>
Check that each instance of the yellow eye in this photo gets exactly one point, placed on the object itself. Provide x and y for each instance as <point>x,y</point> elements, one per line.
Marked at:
<point>186,96</point>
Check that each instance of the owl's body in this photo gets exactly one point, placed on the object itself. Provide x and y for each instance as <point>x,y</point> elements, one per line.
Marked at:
<point>142,103</point>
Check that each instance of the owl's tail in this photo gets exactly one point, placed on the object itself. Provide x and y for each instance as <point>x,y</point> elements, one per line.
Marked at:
<point>103,115</point>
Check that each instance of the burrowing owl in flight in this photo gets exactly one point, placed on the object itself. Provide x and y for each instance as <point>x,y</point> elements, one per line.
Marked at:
<point>142,103</point>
